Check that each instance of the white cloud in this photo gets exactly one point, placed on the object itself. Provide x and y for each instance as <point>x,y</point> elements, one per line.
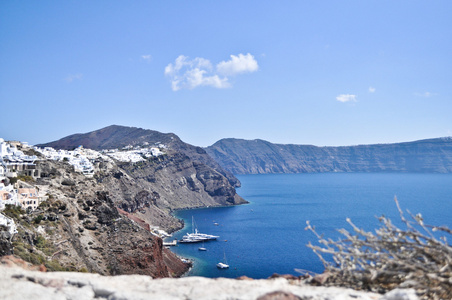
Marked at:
<point>186,73</point>
<point>425,94</point>
<point>346,98</point>
<point>238,64</point>
<point>372,89</point>
<point>72,77</point>
<point>146,57</point>
<point>196,77</point>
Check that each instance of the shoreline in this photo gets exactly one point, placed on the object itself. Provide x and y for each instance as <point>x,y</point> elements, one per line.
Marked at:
<point>173,211</point>
<point>193,259</point>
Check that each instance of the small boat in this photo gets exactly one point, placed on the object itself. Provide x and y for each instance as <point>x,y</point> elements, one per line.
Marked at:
<point>202,248</point>
<point>224,264</point>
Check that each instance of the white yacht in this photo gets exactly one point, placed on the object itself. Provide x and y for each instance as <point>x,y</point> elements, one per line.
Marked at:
<point>196,236</point>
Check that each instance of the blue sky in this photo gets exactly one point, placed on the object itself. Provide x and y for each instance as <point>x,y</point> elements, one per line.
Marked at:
<point>301,72</point>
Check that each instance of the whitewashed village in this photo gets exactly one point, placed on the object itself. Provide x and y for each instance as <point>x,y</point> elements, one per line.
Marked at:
<point>15,165</point>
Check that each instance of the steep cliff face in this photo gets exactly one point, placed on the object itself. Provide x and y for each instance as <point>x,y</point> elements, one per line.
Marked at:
<point>154,188</point>
<point>260,157</point>
<point>79,228</point>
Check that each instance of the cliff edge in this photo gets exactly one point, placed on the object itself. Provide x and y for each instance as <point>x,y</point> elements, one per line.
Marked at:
<point>261,157</point>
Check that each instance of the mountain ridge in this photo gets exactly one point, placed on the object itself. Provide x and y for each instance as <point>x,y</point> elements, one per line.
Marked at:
<point>258,156</point>
<point>113,136</point>
<point>185,177</point>
<point>117,136</point>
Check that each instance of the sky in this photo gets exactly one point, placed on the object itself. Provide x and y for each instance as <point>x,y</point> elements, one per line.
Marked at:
<point>325,73</point>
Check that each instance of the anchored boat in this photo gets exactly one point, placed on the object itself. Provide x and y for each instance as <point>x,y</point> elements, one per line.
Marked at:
<point>196,236</point>
<point>223,264</point>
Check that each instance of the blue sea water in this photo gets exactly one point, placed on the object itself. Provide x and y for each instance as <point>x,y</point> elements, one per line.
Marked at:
<point>267,236</point>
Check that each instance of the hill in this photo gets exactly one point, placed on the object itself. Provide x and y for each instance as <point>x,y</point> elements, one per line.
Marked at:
<point>117,137</point>
<point>108,223</point>
<point>260,157</point>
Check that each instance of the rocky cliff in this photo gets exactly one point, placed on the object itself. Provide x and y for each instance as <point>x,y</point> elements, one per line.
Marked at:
<point>154,188</point>
<point>79,228</point>
<point>104,224</point>
<point>260,157</point>
<point>115,137</point>
<point>185,177</point>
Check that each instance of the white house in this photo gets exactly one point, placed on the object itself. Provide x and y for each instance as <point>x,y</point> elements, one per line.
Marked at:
<point>9,224</point>
<point>2,172</point>
<point>28,198</point>
<point>8,195</point>
<point>79,158</point>
<point>15,162</point>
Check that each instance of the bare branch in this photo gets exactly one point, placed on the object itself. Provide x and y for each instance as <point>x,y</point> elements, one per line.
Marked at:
<point>390,258</point>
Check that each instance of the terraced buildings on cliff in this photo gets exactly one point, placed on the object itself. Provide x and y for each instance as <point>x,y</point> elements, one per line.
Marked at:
<point>13,161</point>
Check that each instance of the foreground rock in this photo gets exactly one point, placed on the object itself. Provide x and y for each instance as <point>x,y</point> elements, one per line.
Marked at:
<point>17,283</point>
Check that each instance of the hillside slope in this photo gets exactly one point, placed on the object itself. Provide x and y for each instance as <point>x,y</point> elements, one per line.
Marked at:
<point>104,223</point>
<point>115,137</point>
<point>79,228</point>
<point>260,157</point>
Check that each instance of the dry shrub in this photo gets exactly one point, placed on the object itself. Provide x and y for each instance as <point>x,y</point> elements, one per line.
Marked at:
<point>389,258</point>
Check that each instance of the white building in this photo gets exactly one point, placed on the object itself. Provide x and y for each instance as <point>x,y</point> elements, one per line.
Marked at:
<point>2,172</point>
<point>9,224</point>
<point>28,198</point>
<point>78,158</point>
<point>8,195</point>
<point>134,155</point>
<point>14,162</point>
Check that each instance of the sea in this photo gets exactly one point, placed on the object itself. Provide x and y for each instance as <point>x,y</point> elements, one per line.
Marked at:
<point>268,235</point>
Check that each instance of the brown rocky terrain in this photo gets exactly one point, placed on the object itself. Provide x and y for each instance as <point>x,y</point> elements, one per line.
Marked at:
<point>79,228</point>
<point>154,188</point>
<point>103,224</point>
